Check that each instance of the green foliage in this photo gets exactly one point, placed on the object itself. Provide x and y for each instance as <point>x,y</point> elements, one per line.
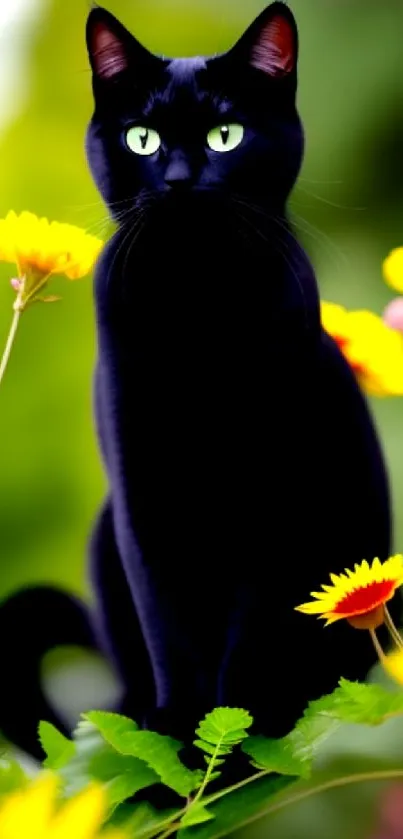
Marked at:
<point>233,810</point>
<point>141,819</point>
<point>12,776</point>
<point>112,749</point>
<point>196,815</point>
<point>223,729</point>
<point>351,702</point>
<point>58,748</point>
<point>219,733</point>
<point>91,758</point>
<point>113,727</point>
<point>355,702</point>
<point>159,753</point>
<point>278,756</point>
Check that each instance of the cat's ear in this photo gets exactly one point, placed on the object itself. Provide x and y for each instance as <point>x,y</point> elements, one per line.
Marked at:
<point>111,48</point>
<point>271,42</point>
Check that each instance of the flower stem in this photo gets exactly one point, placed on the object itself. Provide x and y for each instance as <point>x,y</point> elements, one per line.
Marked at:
<point>378,648</point>
<point>9,344</point>
<point>173,829</point>
<point>392,628</point>
<point>301,795</point>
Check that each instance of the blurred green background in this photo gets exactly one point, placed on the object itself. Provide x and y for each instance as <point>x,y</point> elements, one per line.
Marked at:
<point>348,211</point>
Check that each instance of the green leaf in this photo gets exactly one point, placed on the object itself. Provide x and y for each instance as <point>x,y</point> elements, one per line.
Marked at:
<point>351,702</point>
<point>196,815</point>
<point>111,726</point>
<point>12,776</point>
<point>94,759</point>
<point>355,702</point>
<point>278,756</point>
<point>224,726</point>
<point>159,752</point>
<point>123,775</point>
<point>141,819</point>
<point>217,761</point>
<point>233,810</point>
<point>58,748</point>
<point>214,775</point>
<point>212,750</point>
<point>89,745</point>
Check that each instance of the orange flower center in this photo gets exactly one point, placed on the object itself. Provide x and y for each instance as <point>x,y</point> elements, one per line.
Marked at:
<point>365,599</point>
<point>343,344</point>
<point>341,341</point>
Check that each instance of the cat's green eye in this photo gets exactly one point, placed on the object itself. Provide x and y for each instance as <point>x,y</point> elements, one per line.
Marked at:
<point>225,137</point>
<point>142,140</point>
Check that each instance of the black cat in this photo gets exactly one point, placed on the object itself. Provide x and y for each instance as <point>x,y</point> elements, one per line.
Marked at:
<point>242,461</point>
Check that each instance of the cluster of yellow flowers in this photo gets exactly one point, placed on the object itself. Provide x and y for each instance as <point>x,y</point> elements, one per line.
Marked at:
<point>372,345</point>
<point>373,349</point>
<point>40,249</point>
<point>35,812</point>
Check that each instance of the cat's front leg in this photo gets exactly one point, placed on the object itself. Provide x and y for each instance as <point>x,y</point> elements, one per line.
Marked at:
<point>116,622</point>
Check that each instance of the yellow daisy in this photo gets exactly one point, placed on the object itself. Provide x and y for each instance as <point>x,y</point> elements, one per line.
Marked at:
<point>359,595</point>
<point>373,349</point>
<point>33,813</point>
<point>40,248</point>
<point>393,269</point>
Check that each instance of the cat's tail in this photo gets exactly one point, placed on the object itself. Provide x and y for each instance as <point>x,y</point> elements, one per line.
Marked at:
<point>32,622</point>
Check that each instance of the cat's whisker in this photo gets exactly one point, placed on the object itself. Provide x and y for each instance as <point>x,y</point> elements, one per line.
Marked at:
<point>136,233</point>
<point>282,247</point>
<point>319,237</point>
<point>319,182</point>
<point>132,230</point>
<point>328,201</point>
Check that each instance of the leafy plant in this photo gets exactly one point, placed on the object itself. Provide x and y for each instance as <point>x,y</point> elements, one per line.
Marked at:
<point>112,749</point>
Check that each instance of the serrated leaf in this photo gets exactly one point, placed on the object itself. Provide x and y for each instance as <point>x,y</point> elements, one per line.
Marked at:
<point>276,756</point>
<point>214,775</point>
<point>217,761</point>
<point>225,726</point>
<point>95,759</point>
<point>110,725</point>
<point>58,748</point>
<point>355,702</point>
<point>12,776</point>
<point>196,815</point>
<point>210,749</point>
<point>159,752</point>
<point>123,775</point>
<point>351,702</point>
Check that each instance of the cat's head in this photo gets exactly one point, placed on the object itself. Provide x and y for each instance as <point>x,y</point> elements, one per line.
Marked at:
<point>182,127</point>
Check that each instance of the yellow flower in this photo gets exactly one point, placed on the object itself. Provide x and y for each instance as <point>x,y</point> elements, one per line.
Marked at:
<point>373,349</point>
<point>32,813</point>
<point>393,664</point>
<point>40,248</point>
<point>359,595</point>
<point>393,269</point>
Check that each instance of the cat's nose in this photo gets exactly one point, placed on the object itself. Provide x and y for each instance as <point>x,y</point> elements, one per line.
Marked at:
<point>178,175</point>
